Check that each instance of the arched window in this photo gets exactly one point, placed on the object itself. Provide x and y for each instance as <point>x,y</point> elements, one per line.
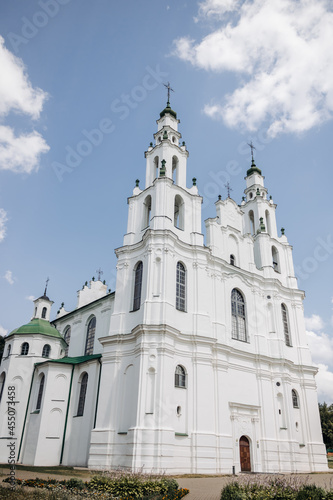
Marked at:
<point>294,396</point>
<point>46,351</point>
<point>275,260</point>
<point>9,348</point>
<point>181,287</point>
<point>82,396</point>
<point>44,312</point>
<point>232,260</point>
<point>40,392</point>
<point>179,212</point>
<point>2,383</point>
<point>24,349</point>
<point>251,217</point>
<point>67,338</point>
<point>146,211</point>
<point>137,286</point>
<point>90,337</point>
<point>285,322</point>
<point>180,377</point>
<point>238,316</point>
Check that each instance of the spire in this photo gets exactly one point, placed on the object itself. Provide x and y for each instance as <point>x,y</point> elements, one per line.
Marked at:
<point>168,107</point>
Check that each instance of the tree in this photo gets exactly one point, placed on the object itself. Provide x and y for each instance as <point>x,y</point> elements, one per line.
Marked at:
<point>326,418</point>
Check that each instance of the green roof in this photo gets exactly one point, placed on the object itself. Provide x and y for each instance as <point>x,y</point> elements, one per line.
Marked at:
<point>37,326</point>
<point>72,361</point>
<point>168,110</point>
<point>253,168</point>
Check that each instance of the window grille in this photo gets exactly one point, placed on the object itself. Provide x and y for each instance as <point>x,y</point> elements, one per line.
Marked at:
<point>82,397</point>
<point>137,287</point>
<point>181,287</point>
<point>285,325</point>
<point>180,377</point>
<point>238,316</point>
<point>90,337</point>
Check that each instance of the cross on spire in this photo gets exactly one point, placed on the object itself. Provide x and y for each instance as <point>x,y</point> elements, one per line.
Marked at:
<point>227,185</point>
<point>47,282</point>
<point>252,148</point>
<point>167,86</point>
<point>99,273</point>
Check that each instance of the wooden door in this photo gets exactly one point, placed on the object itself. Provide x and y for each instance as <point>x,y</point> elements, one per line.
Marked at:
<point>244,452</point>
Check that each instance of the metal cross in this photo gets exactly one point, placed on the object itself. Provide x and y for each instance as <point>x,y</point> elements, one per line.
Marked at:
<point>227,185</point>
<point>47,282</point>
<point>252,148</point>
<point>167,86</point>
<point>99,272</point>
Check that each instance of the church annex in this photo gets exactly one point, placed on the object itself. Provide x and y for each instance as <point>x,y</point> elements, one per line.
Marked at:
<point>198,361</point>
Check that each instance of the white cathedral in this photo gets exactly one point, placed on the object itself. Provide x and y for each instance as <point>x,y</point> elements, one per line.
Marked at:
<point>198,361</point>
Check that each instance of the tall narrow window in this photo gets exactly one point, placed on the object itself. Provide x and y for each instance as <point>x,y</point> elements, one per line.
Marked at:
<point>137,286</point>
<point>232,260</point>
<point>9,348</point>
<point>2,383</point>
<point>46,351</point>
<point>25,349</point>
<point>179,212</point>
<point>40,392</point>
<point>180,377</point>
<point>238,316</point>
<point>285,325</point>
<point>82,396</point>
<point>146,212</point>
<point>268,222</point>
<point>90,337</point>
<point>294,396</point>
<point>175,167</point>
<point>156,167</point>
<point>251,217</point>
<point>44,312</point>
<point>275,259</point>
<point>181,287</point>
<point>67,338</point>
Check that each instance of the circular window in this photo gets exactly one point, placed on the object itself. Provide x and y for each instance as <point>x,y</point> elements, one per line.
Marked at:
<point>278,384</point>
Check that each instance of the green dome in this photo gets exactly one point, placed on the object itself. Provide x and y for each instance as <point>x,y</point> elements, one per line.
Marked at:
<point>253,168</point>
<point>168,110</point>
<point>37,326</point>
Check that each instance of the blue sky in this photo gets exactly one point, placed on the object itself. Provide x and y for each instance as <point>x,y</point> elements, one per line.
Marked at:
<point>241,71</point>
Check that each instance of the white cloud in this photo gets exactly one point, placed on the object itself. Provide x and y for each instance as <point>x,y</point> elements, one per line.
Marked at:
<point>324,380</point>
<point>3,331</point>
<point>314,323</point>
<point>281,50</point>
<point>3,220</point>
<point>321,347</point>
<point>19,153</point>
<point>30,297</point>
<point>9,277</point>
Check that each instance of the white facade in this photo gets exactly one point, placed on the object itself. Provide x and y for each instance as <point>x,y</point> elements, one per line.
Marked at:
<point>199,360</point>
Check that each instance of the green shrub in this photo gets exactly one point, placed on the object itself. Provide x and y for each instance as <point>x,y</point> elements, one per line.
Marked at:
<point>75,483</point>
<point>233,491</point>
<point>311,491</point>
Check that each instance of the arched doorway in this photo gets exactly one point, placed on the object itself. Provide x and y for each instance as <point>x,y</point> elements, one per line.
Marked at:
<point>244,453</point>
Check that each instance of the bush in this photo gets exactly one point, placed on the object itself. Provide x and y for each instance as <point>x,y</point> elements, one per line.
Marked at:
<point>74,483</point>
<point>233,491</point>
<point>311,491</point>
